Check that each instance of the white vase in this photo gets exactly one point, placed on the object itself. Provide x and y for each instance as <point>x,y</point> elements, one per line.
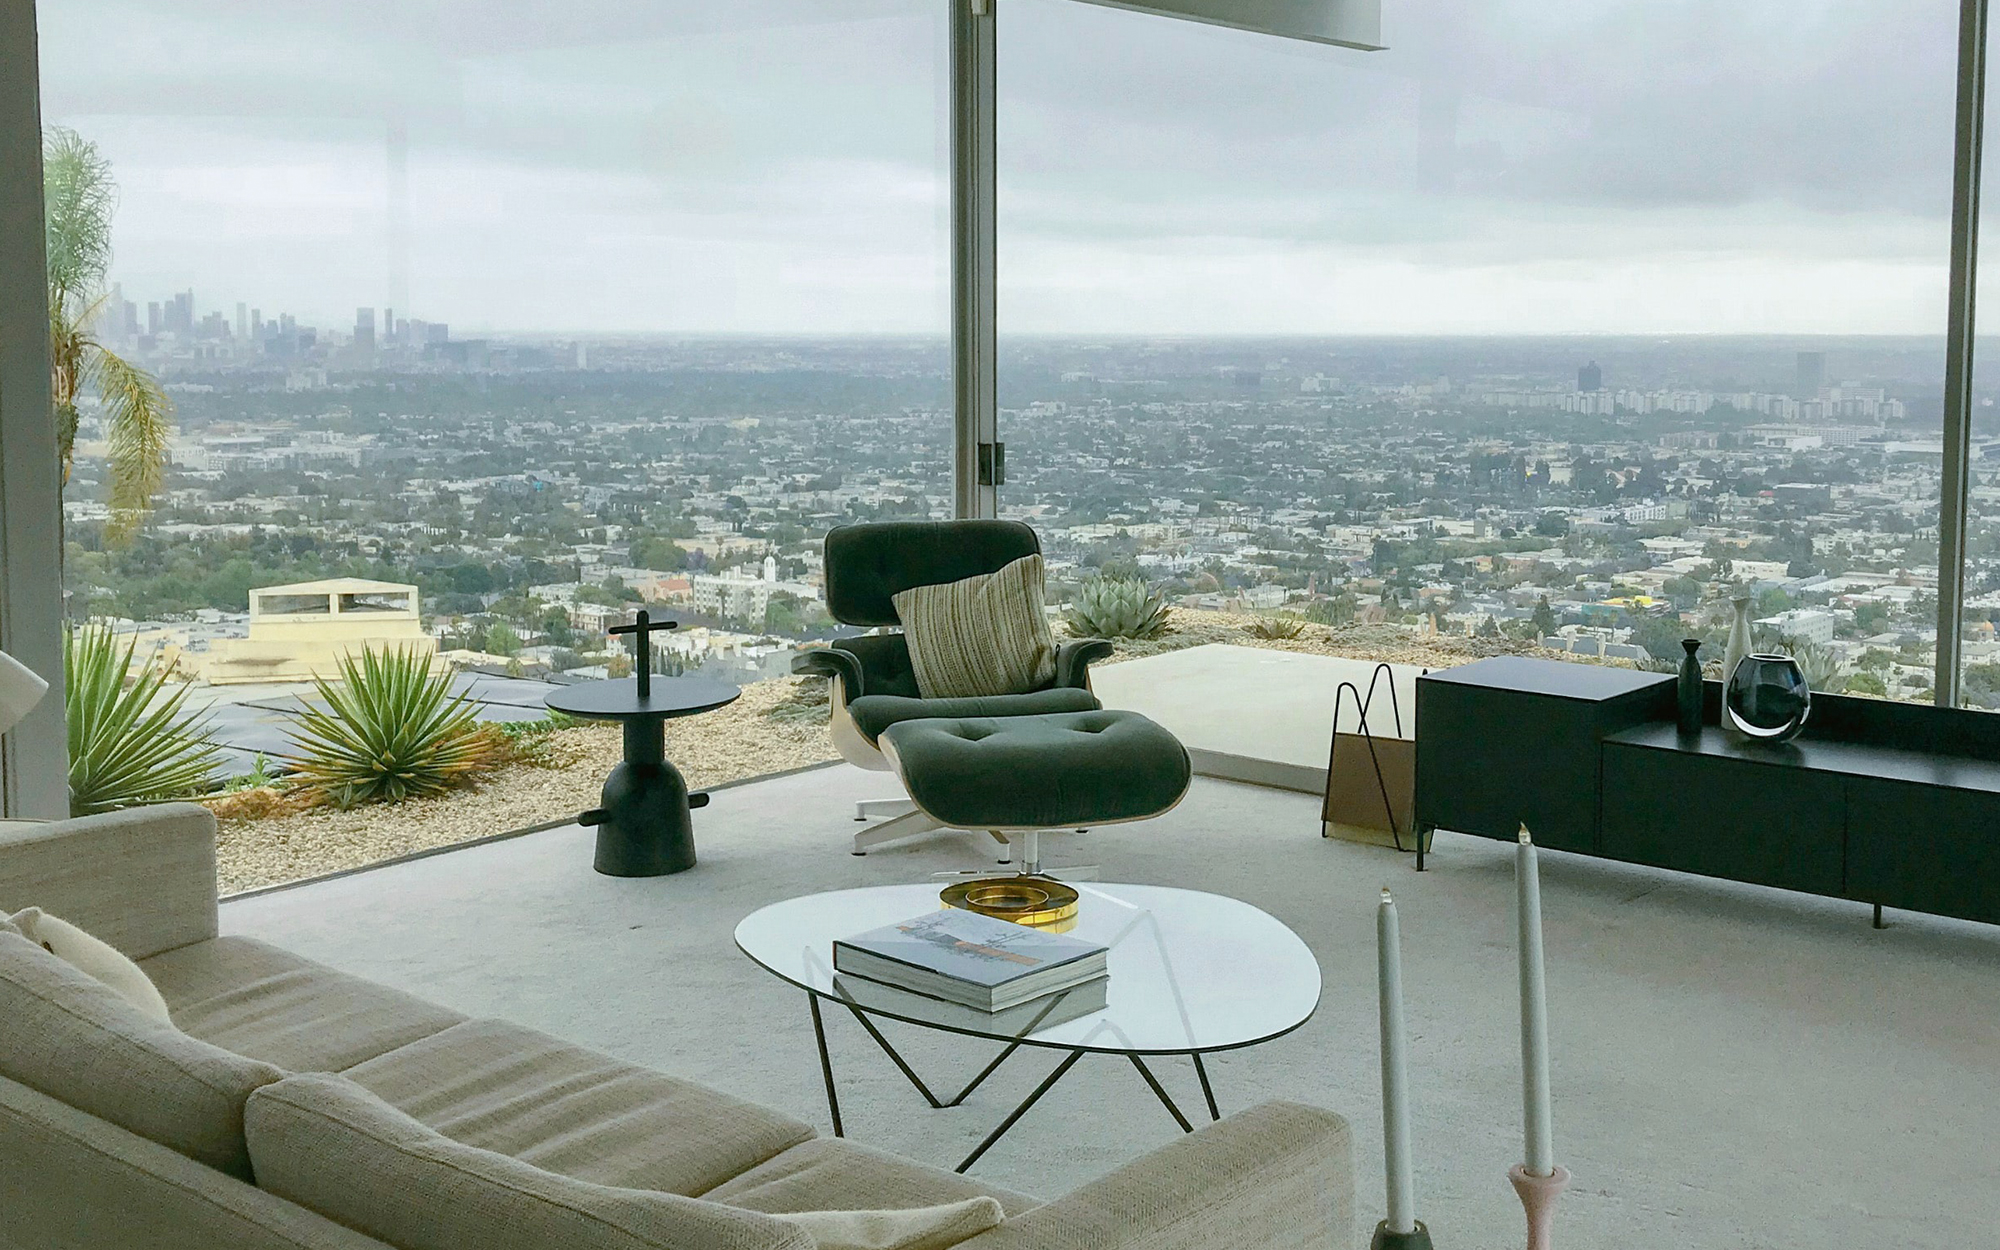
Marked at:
<point>1739,646</point>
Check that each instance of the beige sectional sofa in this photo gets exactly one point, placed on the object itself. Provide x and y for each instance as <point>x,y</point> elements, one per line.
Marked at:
<point>1278,1175</point>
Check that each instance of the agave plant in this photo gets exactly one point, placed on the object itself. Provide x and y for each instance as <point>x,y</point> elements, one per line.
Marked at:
<point>1277,628</point>
<point>128,744</point>
<point>1819,665</point>
<point>391,730</point>
<point>1117,607</point>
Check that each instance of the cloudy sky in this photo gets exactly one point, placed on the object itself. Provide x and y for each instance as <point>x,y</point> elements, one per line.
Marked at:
<point>1605,166</point>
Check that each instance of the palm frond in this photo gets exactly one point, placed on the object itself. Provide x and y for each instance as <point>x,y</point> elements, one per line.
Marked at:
<point>78,198</point>
<point>128,744</point>
<point>140,418</point>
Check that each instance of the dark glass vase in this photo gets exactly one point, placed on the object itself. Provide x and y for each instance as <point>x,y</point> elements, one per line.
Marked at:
<point>1768,697</point>
<point>1689,718</point>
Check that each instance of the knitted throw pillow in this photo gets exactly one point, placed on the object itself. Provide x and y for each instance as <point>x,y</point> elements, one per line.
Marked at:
<point>985,635</point>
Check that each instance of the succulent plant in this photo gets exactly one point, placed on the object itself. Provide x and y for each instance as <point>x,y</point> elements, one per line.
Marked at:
<point>1277,628</point>
<point>391,730</point>
<point>1117,607</point>
<point>128,744</point>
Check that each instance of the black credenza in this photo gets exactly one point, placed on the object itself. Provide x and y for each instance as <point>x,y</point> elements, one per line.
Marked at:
<point>1885,803</point>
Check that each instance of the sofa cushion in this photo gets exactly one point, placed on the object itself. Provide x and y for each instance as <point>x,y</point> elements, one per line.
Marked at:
<point>833,1174</point>
<point>329,1145</point>
<point>259,1000</point>
<point>142,879</point>
<point>575,1112</point>
<point>72,1037</point>
<point>981,635</point>
<point>874,713</point>
<point>72,1181</point>
<point>907,1228</point>
<point>91,956</point>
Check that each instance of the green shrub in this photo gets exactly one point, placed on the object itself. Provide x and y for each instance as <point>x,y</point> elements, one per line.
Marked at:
<point>391,730</point>
<point>1117,607</point>
<point>128,744</point>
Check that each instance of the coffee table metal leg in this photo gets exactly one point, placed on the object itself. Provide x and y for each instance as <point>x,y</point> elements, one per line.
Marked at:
<point>1161,1091</point>
<point>825,1064</point>
<point>1206,1091</point>
<point>901,1062</point>
<point>1062,1069</point>
<point>984,1072</point>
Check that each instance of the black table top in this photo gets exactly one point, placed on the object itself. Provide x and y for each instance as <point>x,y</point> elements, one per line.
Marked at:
<point>1851,759</point>
<point>619,699</point>
<point>1556,678</point>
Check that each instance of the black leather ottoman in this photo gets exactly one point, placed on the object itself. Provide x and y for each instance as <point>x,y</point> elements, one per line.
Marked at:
<point>1024,774</point>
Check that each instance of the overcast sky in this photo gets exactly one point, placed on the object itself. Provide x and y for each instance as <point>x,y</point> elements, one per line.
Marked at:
<point>1507,166</point>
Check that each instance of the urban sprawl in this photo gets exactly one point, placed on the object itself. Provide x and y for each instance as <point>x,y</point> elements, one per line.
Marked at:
<point>1606,496</point>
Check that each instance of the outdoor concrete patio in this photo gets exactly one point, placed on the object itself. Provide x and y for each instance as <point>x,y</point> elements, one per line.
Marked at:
<point>1733,1067</point>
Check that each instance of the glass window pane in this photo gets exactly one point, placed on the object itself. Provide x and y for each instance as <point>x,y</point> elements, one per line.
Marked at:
<point>1554,323</point>
<point>1979,656</point>
<point>553,313</point>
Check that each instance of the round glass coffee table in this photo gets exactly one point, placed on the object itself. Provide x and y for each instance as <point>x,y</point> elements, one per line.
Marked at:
<point>1190,974</point>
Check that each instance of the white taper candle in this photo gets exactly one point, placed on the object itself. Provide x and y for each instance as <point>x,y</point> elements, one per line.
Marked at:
<point>1541,1159</point>
<point>1395,1069</point>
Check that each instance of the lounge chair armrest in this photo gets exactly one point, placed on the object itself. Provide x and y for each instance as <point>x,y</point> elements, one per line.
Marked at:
<point>142,879</point>
<point>1074,658</point>
<point>831,662</point>
<point>1279,1176</point>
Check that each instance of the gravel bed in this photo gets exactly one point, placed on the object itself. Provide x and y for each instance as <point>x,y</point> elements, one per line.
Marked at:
<point>741,740</point>
<point>777,725</point>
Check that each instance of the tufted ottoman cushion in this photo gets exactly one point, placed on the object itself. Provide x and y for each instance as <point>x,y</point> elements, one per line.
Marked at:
<point>1058,771</point>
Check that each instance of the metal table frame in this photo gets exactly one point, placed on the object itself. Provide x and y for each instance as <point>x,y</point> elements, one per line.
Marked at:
<point>1071,1056</point>
<point>1073,1053</point>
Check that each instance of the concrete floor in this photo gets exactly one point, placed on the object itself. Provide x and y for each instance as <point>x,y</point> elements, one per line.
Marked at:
<point>1733,1067</point>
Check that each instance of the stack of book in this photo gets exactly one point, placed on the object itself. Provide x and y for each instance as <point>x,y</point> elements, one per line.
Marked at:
<point>960,969</point>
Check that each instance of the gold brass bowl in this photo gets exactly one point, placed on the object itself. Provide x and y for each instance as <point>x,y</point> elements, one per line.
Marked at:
<point>1035,901</point>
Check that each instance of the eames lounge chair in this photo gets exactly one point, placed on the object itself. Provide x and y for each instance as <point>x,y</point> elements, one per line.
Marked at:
<point>1009,764</point>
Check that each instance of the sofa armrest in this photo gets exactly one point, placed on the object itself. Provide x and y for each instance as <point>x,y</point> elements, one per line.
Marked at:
<point>1074,658</point>
<point>834,662</point>
<point>1279,1176</point>
<point>143,879</point>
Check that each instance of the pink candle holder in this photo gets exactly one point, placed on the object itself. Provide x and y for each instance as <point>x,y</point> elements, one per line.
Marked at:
<point>1538,1196</point>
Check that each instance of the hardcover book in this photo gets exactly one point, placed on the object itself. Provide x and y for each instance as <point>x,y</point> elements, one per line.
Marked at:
<point>964,957</point>
<point>1021,1020</point>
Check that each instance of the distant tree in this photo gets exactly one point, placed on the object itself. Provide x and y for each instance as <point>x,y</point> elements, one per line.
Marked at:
<point>1872,618</point>
<point>1682,592</point>
<point>615,586</point>
<point>1552,525</point>
<point>1868,683</point>
<point>501,639</point>
<point>78,199</point>
<point>1544,617</point>
<point>662,555</point>
<point>1660,636</point>
<point>471,579</point>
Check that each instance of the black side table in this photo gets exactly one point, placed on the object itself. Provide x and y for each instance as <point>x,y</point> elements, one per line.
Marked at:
<point>643,827</point>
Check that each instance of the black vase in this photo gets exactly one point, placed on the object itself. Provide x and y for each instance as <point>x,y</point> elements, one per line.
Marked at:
<point>1690,689</point>
<point>1768,697</point>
